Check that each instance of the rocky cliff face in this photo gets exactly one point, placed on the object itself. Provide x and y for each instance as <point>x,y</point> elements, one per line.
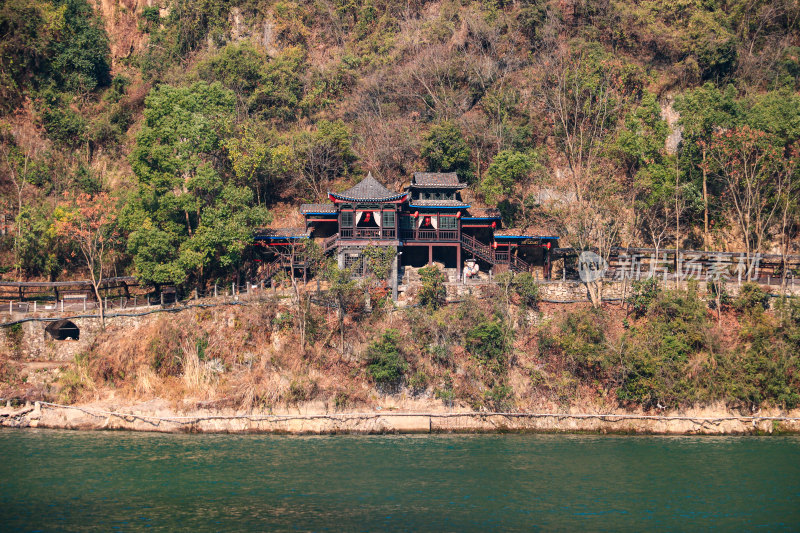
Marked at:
<point>121,18</point>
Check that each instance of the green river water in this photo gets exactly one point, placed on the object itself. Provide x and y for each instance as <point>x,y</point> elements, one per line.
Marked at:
<point>61,480</point>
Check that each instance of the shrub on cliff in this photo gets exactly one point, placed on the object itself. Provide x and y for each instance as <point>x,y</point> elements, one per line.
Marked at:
<point>578,343</point>
<point>385,361</point>
<point>489,341</point>
<point>766,366</point>
<point>432,294</point>
<point>643,292</point>
<point>670,360</point>
<point>751,299</point>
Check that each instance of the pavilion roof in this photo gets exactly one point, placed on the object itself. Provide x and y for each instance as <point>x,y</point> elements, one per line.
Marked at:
<point>530,232</point>
<point>318,209</point>
<point>367,190</point>
<point>437,179</point>
<point>483,212</point>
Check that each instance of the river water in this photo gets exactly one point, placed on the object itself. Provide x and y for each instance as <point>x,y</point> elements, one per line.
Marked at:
<point>61,480</point>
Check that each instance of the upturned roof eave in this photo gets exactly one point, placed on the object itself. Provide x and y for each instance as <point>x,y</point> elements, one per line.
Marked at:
<point>343,198</point>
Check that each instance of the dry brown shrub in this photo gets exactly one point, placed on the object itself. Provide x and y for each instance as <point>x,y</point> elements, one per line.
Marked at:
<point>147,381</point>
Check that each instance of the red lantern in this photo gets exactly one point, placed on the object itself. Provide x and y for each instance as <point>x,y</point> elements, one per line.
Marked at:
<point>416,214</point>
<point>367,217</point>
<point>458,215</point>
<point>494,243</point>
<point>494,225</point>
<point>548,244</point>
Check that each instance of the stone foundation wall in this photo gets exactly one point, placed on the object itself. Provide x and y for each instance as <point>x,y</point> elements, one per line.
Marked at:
<point>29,341</point>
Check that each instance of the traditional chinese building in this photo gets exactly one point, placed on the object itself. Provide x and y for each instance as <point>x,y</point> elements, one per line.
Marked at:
<point>427,222</point>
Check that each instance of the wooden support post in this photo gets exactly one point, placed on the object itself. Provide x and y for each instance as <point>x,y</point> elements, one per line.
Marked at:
<point>34,306</point>
<point>215,290</point>
<point>134,300</point>
<point>11,307</point>
<point>458,260</point>
<point>62,305</point>
<point>430,254</point>
<point>233,289</point>
<point>84,302</point>
<point>162,298</point>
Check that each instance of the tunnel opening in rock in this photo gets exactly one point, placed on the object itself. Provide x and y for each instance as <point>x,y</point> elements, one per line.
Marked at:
<point>63,330</point>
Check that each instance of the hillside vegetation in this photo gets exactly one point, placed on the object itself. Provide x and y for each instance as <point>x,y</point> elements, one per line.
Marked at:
<point>500,351</point>
<point>167,130</point>
<point>665,121</point>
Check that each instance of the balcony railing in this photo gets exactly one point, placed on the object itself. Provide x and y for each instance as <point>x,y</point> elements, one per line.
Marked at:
<point>368,233</point>
<point>439,235</point>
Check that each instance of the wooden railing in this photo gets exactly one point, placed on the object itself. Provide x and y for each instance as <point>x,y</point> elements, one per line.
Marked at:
<point>441,235</point>
<point>272,268</point>
<point>330,243</point>
<point>483,251</point>
<point>368,233</point>
<point>490,255</point>
<point>518,265</point>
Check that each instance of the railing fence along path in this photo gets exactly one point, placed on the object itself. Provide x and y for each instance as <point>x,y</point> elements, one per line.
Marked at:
<point>627,264</point>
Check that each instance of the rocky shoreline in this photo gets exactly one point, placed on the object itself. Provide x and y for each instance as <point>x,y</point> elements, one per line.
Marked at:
<point>144,417</point>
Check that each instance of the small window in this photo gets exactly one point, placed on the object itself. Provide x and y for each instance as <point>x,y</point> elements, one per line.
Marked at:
<point>388,219</point>
<point>347,219</point>
<point>448,222</point>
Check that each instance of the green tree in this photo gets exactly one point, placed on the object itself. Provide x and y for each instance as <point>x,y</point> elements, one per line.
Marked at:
<point>446,150</point>
<point>345,292</point>
<point>508,169</point>
<point>80,61</point>
<point>702,111</point>
<point>280,88</point>
<point>239,67</point>
<point>432,293</point>
<point>250,157</point>
<point>28,28</point>
<point>189,218</point>
<point>323,155</point>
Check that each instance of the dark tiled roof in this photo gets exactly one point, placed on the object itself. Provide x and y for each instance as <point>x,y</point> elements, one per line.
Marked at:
<point>529,232</point>
<point>368,189</point>
<point>438,203</point>
<point>436,179</point>
<point>317,208</point>
<point>277,233</point>
<point>484,212</point>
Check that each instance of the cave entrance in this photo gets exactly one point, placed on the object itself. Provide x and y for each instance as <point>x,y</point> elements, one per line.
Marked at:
<point>63,330</point>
